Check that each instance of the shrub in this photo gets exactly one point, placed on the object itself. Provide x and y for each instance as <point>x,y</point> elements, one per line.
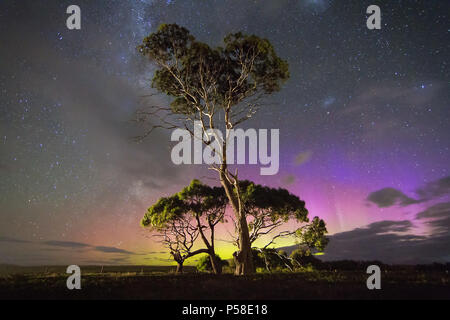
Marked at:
<point>305,258</point>
<point>204,263</point>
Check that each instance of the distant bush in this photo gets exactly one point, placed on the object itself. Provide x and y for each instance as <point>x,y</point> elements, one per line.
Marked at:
<point>304,258</point>
<point>350,265</point>
<point>204,263</point>
<point>270,259</point>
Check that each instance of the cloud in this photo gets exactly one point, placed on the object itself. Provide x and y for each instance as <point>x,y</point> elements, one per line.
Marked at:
<point>387,197</point>
<point>96,262</point>
<point>13,240</point>
<point>439,210</point>
<point>121,259</point>
<point>386,228</point>
<point>288,179</point>
<point>407,100</point>
<point>381,241</point>
<point>435,188</point>
<point>389,242</point>
<point>441,226</point>
<point>70,244</point>
<point>437,217</point>
<point>111,250</point>
<point>303,157</point>
<point>404,97</point>
<point>67,244</point>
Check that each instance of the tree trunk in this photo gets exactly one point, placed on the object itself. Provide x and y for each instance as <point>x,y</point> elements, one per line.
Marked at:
<point>243,257</point>
<point>179,260</point>
<point>179,268</point>
<point>215,263</point>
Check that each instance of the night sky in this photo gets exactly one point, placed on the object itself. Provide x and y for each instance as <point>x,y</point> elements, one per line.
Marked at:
<point>363,121</point>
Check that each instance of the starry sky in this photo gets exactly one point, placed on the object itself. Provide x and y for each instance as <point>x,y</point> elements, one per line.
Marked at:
<point>363,121</point>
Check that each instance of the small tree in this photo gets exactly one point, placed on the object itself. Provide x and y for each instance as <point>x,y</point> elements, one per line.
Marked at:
<point>270,209</point>
<point>181,218</point>
<point>179,237</point>
<point>313,236</point>
<point>208,205</point>
<point>177,230</point>
<point>219,87</point>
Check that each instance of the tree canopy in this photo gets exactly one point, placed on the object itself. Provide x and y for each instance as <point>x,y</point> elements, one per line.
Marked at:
<point>201,78</point>
<point>270,208</point>
<point>164,211</point>
<point>196,199</point>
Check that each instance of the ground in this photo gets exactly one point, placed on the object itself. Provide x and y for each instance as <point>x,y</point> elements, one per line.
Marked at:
<point>134,282</point>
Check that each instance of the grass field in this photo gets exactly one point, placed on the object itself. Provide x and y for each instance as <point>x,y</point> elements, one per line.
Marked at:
<point>136,282</point>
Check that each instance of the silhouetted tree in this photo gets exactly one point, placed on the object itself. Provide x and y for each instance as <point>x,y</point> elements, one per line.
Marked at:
<point>221,88</point>
<point>208,205</point>
<point>177,230</point>
<point>270,209</point>
<point>181,218</point>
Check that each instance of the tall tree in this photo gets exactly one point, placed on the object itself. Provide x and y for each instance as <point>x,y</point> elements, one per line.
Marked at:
<point>220,88</point>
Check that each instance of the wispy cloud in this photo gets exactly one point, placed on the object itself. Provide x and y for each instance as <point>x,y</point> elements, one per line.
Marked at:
<point>14,240</point>
<point>111,250</point>
<point>302,158</point>
<point>70,244</point>
<point>435,189</point>
<point>66,244</point>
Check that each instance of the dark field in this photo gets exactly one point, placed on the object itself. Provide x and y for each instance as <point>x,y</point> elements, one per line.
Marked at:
<point>135,282</point>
